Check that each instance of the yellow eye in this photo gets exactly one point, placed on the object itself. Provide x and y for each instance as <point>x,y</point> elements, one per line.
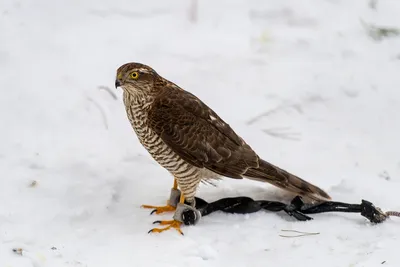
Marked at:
<point>134,75</point>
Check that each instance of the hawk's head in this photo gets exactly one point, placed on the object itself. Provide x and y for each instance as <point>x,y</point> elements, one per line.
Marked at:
<point>136,78</point>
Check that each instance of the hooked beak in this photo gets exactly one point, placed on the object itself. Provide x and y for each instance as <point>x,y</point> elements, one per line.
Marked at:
<point>117,83</point>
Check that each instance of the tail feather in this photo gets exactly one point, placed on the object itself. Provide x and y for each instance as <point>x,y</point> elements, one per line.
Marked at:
<point>272,174</point>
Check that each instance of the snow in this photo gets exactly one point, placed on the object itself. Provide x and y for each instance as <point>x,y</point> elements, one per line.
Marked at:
<point>73,174</point>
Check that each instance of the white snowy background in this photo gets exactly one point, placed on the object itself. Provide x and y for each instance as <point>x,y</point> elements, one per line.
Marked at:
<point>303,82</point>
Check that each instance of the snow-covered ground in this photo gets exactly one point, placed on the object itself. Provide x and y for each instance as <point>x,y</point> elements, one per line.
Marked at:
<point>301,81</point>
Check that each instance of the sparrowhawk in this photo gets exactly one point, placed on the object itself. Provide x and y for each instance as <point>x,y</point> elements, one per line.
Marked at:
<point>191,141</point>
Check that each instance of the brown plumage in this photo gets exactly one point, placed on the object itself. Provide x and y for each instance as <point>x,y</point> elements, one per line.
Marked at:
<point>190,140</point>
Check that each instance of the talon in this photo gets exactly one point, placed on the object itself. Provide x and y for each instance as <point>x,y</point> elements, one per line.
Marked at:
<point>166,222</point>
<point>159,209</point>
<point>171,224</point>
<point>151,213</point>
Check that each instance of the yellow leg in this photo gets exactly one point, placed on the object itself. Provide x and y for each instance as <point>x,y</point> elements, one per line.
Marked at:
<point>162,209</point>
<point>172,224</point>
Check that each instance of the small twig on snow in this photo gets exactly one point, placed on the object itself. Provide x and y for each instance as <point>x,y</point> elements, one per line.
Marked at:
<point>193,11</point>
<point>272,111</point>
<point>294,231</point>
<point>33,183</point>
<point>106,88</point>
<point>103,114</point>
<point>378,33</point>
<point>280,133</point>
<point>372,4</point>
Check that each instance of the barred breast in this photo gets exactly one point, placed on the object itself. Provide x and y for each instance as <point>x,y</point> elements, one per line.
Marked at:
<point>187,175</point>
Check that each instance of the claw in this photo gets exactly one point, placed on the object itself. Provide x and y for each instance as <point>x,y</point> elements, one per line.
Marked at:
<point>159,209</point>
<point>171,224</point>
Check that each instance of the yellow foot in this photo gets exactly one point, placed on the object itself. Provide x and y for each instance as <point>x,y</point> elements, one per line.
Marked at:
<point>159,209</point>
<point>171,225</point>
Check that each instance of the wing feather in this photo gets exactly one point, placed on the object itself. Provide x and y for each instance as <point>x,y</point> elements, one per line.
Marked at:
<point>198,135</point>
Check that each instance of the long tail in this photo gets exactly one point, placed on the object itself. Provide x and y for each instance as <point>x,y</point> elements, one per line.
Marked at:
<point>272,174</point>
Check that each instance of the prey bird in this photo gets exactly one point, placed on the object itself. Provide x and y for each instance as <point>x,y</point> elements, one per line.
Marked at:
<point>191,141</point>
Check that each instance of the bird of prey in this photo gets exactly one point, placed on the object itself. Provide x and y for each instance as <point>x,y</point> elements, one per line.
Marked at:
<point>191,141</point>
